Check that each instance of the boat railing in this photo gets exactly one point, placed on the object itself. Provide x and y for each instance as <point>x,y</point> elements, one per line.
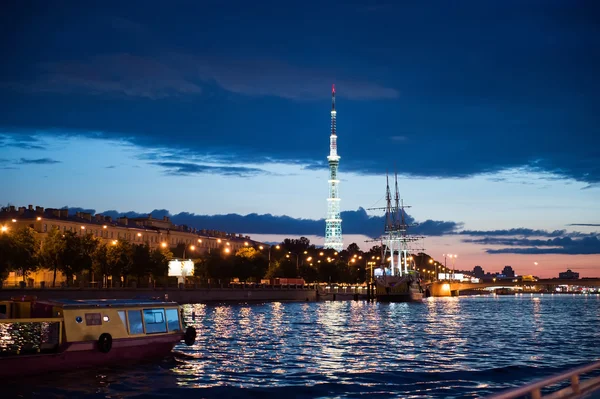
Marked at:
<point>30,335</point>
<point>576,389</point>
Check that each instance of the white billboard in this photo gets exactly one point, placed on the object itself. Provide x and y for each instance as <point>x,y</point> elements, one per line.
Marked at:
<point>181,268</point>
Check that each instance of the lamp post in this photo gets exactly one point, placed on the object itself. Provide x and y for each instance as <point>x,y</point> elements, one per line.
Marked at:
<point>192,248</point>
<point>293,253</point>
<point>453,257</point>
<point>261,247</point>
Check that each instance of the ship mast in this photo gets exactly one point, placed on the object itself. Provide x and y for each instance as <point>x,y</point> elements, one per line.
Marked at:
<point>395,238</point>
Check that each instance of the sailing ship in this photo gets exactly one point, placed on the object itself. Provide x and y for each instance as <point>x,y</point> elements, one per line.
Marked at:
<point>397,281</point>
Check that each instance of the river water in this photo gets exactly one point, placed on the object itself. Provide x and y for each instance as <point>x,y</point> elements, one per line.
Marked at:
<point>440,348</point>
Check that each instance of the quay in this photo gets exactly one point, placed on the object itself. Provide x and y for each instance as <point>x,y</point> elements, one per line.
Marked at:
<point>183,294</point>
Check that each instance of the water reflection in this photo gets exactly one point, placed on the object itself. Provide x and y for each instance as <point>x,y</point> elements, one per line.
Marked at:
<point>443,347</point>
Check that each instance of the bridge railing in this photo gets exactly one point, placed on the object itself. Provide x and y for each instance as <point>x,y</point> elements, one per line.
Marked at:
<point>576,388</point>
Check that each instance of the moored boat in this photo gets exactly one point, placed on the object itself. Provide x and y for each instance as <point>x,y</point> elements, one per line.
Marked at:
<point>58,335</point>
<point>405,288</point>
<point>396,281</point>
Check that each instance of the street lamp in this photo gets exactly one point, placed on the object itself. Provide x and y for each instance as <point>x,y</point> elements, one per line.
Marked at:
<point>262,247</point>
<point>453,257</point>
<point>192,248</point>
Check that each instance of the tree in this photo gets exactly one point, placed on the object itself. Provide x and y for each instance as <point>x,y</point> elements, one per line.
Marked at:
<point>120,259</point>
<point>87,248</point>
<point>353,248</point>
<point>250,264</point>
<point>52,252</point>
<point>142,263</point>
<point>24,251</point>
<point>5,253</point>
<point>159,262</point>
<point>100,262</point>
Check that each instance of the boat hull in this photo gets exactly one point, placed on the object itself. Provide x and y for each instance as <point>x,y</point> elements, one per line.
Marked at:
<point>78,355</point>
<point>407,297</point>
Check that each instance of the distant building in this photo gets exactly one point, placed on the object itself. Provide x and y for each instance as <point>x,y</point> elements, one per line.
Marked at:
<point>142,230</point>
<point>508,272</point>
<point>568,275</point>
<point>478,272</point>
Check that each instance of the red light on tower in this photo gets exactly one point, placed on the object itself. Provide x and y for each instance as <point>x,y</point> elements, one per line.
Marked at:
<point>333,88</point>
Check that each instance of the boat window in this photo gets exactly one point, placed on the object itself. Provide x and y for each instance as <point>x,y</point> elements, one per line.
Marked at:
<point>173,320</point>
<point>135,322</point>
<point>155,321</point>
<point>122,317</point>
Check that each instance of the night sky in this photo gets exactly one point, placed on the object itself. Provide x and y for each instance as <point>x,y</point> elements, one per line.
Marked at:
<point>217,112</point>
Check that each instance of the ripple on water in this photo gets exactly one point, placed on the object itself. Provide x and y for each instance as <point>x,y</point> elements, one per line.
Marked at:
<point>443,347</point>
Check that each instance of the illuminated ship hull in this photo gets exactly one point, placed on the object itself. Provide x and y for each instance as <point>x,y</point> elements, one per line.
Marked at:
<point>398,289</point>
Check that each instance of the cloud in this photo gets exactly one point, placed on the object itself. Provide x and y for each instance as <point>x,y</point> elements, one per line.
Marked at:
<point>354,222</point>
<point>271,77</point>
<point>188,168</point>
<point>22,141</point>
<point>502,117</point>
<point>585,224</point>
<point>119,74</point>
<point>558,245</point>
<point>521,231</point>
<point>39,161</point>
<point>175,74</point>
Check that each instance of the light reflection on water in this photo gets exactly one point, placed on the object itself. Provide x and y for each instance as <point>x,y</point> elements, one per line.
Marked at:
<point>443,347</point>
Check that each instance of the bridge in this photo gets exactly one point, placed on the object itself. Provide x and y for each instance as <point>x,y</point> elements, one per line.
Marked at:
<point>453,288</point>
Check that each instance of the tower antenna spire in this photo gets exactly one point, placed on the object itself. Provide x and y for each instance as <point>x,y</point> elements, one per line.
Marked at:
<point>333,223</point>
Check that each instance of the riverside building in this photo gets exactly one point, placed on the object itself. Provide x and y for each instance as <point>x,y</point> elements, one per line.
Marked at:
<point>143,230</point>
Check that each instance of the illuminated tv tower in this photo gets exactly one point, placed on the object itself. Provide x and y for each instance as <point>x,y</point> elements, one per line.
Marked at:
<point>333,223</point>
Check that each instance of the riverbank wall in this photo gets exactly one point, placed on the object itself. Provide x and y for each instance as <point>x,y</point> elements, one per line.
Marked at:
<point>179,295</point>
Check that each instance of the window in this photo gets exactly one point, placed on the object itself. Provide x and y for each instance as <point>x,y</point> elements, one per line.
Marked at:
<point>122,317</point>
<point>173,319</point>
<point>155,321</point>
<point>135,322</point>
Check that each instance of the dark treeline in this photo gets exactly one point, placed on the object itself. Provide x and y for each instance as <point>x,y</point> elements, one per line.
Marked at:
<point>86,258</point>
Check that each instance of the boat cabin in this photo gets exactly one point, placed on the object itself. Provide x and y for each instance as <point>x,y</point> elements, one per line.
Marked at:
<point>38,326</point>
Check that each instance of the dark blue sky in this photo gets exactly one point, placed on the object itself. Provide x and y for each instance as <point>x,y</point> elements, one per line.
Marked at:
<point>226,92</point>
<point>496,83</point>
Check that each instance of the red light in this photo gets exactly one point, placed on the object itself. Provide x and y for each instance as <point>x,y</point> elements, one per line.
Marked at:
<point>333,88</point>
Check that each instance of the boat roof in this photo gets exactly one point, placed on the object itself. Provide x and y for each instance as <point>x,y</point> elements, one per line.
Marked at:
<point>107,303</point>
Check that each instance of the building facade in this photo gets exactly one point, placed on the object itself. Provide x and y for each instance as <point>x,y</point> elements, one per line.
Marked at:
<point>568,275</point>
<point>144,230</point>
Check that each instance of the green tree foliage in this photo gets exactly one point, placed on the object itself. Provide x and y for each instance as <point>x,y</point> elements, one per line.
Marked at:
<point>142,263</point>
<point>120,260</point>
<point>250,264</point>
<point>52,252</point>
<point>25,248</point>
<point>101,266</point>
<point>159,263</point>
<point>5,254</point>
<point>78,254</point>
